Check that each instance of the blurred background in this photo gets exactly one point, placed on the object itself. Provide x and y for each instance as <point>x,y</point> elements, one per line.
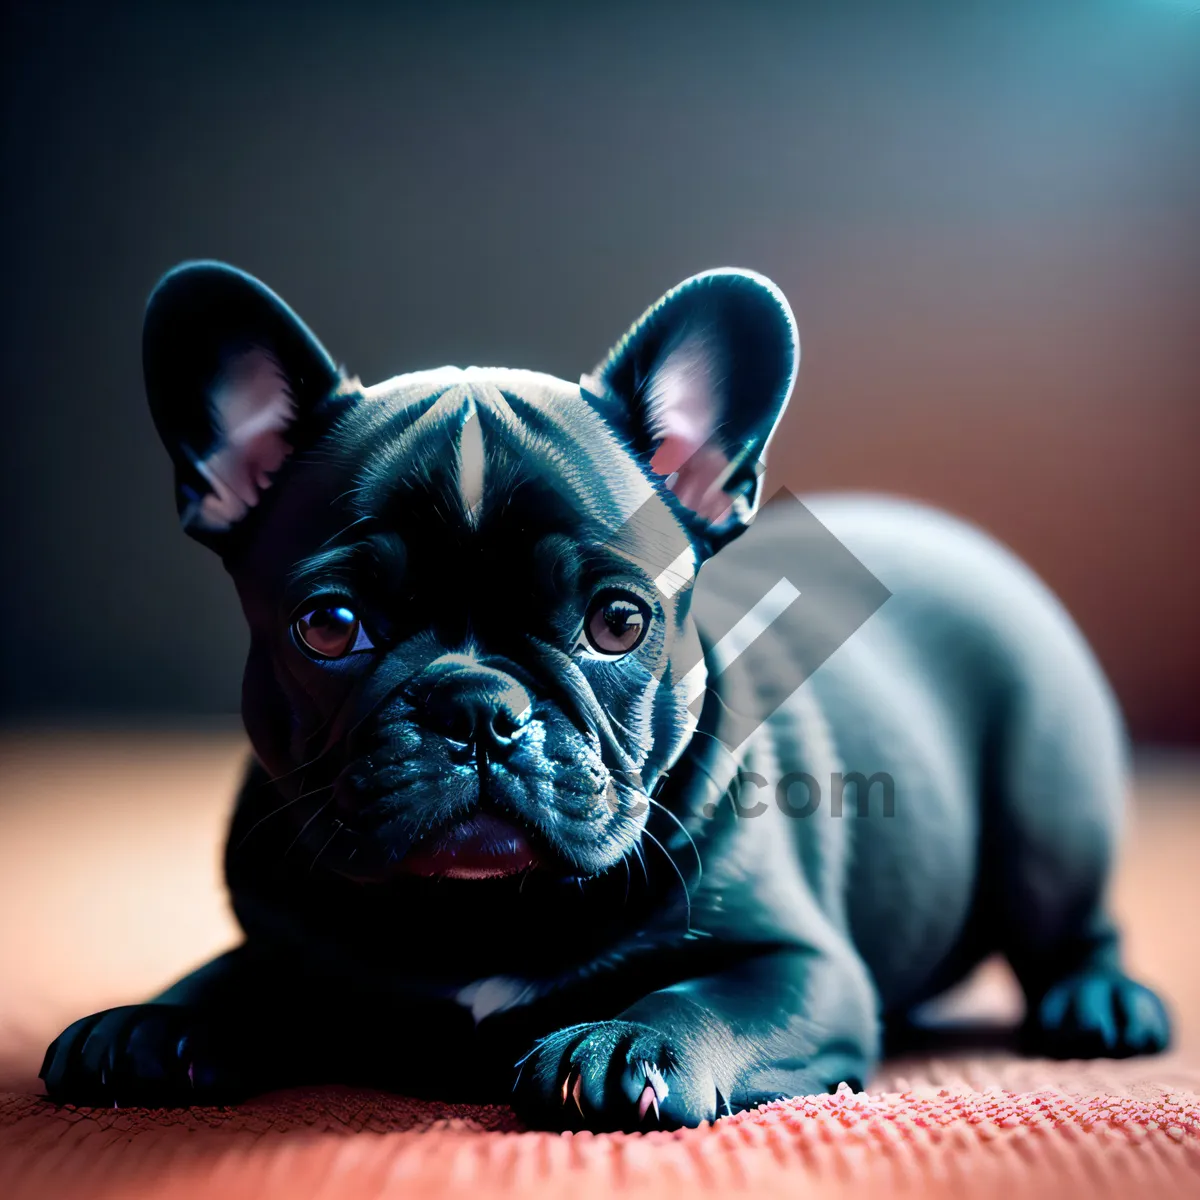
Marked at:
<point>986,216</point>
<point>987,219</point>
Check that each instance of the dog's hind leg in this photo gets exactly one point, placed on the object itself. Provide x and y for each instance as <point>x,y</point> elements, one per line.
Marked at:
<point>1052,825</point>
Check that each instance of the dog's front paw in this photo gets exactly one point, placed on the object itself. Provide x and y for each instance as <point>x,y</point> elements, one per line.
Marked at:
<point>1097,1014</point>
<point>156,1055</point>
<point>614,1075</point>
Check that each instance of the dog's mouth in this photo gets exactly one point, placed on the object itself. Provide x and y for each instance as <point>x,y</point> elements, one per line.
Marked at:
<point>480,846</point>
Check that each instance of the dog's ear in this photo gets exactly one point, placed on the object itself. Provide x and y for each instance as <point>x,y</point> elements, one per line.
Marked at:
<point>698,385</point>
<point>234,380</point>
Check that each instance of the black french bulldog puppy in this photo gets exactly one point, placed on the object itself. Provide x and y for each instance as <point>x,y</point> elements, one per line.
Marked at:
<point>518,826</point>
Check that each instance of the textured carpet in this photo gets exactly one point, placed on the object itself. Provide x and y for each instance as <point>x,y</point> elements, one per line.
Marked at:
<point>108,884</point>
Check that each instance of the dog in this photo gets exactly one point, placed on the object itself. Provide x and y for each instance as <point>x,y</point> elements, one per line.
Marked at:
<point>535,812</point>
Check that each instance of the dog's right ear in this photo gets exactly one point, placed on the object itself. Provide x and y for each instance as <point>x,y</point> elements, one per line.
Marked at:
<point>234,379</point>
<point>697,385</point>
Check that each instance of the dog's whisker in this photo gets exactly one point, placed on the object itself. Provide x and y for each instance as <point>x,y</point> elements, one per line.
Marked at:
<point>683,829</point>
<point>713,738</point>
<point>304,827</point>
<point>637,849</point>
<point>317,758</point>
<point>276,811</point>
<point>337,828</point>
<point>330,720</point>
<point>312,762</point>
<point>359,521</point>
<point>687,895</point>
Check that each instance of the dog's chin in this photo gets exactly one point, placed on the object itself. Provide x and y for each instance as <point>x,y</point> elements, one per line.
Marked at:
<point>480,846</point>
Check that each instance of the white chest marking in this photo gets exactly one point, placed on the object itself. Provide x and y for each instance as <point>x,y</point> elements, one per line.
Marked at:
<point>487,996</point>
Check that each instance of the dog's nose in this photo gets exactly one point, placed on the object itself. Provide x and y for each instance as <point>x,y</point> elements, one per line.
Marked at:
<point>471,703</point>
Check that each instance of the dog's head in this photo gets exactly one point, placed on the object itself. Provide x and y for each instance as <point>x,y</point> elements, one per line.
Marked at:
<point>467,590</point>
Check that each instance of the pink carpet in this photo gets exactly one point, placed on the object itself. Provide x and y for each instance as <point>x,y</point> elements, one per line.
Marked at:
<point>86,839</point>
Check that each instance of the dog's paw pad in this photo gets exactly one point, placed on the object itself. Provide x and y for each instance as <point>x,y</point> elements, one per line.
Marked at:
<point>1098,1014</point>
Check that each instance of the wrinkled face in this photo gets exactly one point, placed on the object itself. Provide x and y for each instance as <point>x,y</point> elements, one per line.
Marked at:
<point>480,663</point>
<point>467,591</point>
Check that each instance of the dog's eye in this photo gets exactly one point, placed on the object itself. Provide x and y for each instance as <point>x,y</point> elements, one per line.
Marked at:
<point>332,632</point>
<point>616,622</point>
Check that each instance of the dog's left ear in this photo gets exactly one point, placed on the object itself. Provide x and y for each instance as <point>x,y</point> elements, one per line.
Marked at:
<point>234,379</point>
<point>698,385</point>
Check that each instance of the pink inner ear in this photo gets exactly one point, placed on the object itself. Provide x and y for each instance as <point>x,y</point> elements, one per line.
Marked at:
<point>698,483</point>
<point>684,409</point>
<point>253,407</point>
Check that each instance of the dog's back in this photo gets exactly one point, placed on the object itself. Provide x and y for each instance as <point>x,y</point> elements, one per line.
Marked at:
<point>962,748</point>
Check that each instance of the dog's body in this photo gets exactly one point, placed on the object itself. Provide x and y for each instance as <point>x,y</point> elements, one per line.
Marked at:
<point>517,818</point>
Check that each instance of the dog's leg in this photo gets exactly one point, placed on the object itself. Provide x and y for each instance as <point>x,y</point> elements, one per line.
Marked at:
<point>214,1036</point>
<point>244,1023</point>
<point>1054,830</point>
<point>789,1023</point>
<point>250,1022</point>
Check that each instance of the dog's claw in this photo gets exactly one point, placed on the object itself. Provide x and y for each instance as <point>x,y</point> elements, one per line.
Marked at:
<point>573,1091</point>
<point>617,1075</point>
<point>648,1101</point>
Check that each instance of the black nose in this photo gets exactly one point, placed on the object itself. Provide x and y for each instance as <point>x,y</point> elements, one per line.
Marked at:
<point>470,703</point>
